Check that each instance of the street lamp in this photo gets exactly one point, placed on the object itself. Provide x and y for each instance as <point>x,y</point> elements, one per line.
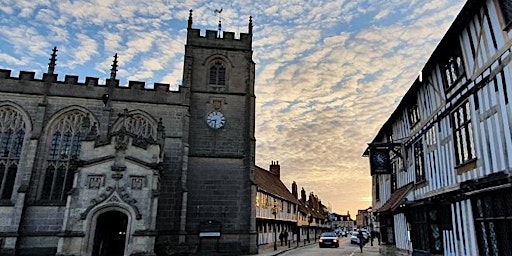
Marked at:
<point>274,212</point>
<point>310,219</point>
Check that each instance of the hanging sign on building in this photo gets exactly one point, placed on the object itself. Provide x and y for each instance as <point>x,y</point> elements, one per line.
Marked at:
<point>380,162</point>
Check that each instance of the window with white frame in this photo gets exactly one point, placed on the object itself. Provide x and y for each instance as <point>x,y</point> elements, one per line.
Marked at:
<point>463,134</point>
<point>12,134</point>
<point>66,134</point>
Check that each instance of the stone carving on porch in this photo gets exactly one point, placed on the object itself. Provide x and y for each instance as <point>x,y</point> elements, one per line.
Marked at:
<point>113,195</point>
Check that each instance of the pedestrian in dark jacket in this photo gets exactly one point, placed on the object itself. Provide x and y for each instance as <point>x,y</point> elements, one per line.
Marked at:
<point>360,236</point>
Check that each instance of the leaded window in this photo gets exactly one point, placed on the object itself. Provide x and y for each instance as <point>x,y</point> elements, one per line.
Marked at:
<point>506,11</point>
<point>414,114</point>
<point>463,134</point>
<point>452,68</point>
<point>65,144</point>
<point>12,134</point>
<point>427,223</point>
<point>493,222</point>
<point>217,73</point>
<point>419,161</point>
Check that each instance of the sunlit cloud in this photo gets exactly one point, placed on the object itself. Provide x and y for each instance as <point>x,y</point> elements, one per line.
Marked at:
<point>328,73</point>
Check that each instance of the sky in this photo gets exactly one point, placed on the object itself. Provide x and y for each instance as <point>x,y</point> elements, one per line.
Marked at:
<point>328,72</point>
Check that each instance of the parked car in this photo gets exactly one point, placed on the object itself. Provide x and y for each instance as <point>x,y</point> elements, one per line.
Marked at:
<point>329,239</point>
<point>353,237</point>
<point>355,240</point>
<point>366,236</point>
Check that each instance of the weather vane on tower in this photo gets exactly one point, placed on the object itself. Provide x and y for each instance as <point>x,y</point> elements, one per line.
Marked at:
<point>219,14</point>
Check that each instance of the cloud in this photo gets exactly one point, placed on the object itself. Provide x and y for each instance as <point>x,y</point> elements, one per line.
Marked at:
<point>328,73</point>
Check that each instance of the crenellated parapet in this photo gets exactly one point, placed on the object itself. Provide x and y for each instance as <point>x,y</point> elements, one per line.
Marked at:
<point>49,84</point>
<point>214,39</point>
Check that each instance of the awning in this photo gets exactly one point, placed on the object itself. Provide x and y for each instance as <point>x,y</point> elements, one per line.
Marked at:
<point>396,198</point>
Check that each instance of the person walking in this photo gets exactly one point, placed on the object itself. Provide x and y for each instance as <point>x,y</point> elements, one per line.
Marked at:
<point>360,236</point>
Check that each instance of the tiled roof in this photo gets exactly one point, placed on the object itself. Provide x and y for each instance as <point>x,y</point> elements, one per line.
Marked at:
<point>271,184</point>
<point>396,198</point>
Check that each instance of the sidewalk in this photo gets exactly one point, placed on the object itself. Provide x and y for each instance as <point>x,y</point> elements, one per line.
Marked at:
<point>368,250</point>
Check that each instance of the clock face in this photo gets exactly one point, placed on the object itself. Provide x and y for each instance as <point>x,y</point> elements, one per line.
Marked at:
<point>215,120</point>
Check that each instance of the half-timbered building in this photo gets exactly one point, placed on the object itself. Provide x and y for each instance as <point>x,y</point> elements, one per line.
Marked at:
<point>441,163</point>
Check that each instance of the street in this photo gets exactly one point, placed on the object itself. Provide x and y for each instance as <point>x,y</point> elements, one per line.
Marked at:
<point>345,249</point>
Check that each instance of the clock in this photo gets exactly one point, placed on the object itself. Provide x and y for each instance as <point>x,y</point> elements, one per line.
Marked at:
<point>215,120</point>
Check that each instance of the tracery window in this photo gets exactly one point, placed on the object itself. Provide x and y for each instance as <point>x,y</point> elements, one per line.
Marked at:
<point>139,125</point>
<point>217,73</point>
<point>65,146</point>
<point>12,134</point>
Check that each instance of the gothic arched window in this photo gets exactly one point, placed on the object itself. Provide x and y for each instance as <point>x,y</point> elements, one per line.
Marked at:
<point>66,135</point>
<point>141,126</point>
<point>217,73</point>
<point>12,134</point>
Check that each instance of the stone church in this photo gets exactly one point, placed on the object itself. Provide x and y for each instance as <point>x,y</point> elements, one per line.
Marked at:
<point>102,169</point>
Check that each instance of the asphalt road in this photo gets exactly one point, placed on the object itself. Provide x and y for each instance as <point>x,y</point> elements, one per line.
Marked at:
<point>345,249</point>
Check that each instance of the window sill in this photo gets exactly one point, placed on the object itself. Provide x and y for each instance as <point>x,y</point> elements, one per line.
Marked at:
<point>49,203</point>
<point>466,166</point>
<point>6,203</point>
<point>421,184</point>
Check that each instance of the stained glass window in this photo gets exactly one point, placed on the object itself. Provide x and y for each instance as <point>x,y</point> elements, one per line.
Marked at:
<point>12,134</point>
<point>65,145</point>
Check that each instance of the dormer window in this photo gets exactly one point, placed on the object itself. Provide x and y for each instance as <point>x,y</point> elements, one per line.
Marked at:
<point>218,73</point>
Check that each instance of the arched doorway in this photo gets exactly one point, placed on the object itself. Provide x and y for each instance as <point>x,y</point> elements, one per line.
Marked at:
<point>110,234</point>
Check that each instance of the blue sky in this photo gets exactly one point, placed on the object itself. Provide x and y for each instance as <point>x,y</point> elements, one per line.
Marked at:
<point>328,73</point>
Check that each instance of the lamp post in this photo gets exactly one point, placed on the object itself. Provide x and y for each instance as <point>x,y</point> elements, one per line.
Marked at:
<point>274,212</point>
<point>310,219</point>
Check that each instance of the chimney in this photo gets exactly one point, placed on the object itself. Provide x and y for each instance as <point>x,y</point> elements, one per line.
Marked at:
<point>303,195</point>
<point>275,169</point>
<point>294,190</point>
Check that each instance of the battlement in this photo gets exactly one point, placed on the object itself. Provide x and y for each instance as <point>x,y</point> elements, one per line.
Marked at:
<point>89,81</point>
<point>213,40</point>
<point>135,91</point>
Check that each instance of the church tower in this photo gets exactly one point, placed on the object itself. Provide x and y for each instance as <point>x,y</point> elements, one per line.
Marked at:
<point>219,73</point>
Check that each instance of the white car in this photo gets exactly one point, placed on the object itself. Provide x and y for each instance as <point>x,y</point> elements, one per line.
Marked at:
<point>353,237</point>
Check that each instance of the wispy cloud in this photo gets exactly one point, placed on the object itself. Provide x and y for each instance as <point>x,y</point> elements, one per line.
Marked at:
<point>329,73</point>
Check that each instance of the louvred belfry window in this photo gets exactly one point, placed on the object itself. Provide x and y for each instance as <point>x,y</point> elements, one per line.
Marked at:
<point>64,148</point>
<point>217,73</point>
<point>12,134</point>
